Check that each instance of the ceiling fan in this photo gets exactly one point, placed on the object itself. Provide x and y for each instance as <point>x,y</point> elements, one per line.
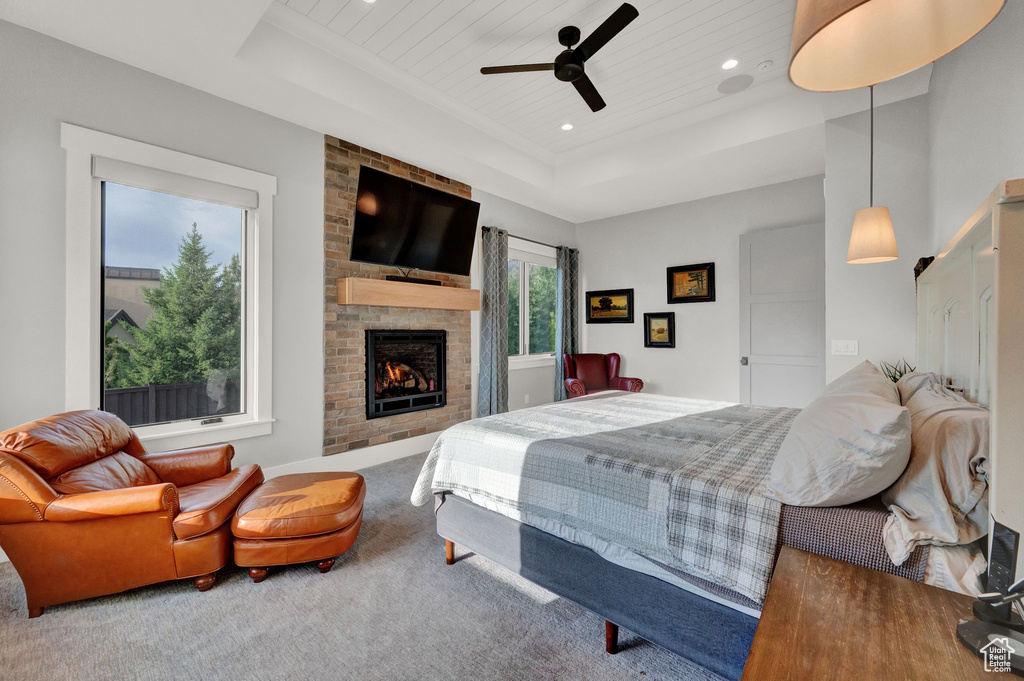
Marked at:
<point>568,66</point>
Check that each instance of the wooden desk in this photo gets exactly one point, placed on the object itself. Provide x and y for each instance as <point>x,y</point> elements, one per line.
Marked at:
<point>828,620</point>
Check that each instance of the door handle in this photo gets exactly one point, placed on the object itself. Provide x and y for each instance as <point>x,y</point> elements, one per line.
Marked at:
<point>744,361</point>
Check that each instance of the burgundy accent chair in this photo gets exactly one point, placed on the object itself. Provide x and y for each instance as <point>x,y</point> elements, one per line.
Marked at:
<point>592,373</point>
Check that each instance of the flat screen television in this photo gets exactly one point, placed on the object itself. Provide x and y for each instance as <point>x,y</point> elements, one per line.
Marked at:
<point>411,226</point>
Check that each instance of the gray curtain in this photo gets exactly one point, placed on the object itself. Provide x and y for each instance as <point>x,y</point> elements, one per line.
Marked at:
<point>493,394</point>
<point>567,318</point>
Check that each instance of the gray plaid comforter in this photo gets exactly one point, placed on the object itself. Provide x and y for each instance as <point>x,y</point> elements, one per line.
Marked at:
<point>678,481</point>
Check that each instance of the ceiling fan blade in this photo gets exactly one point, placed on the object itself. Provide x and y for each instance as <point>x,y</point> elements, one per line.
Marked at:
<point>611,27</point>
<point>518,68</point>
<point>590,95</point>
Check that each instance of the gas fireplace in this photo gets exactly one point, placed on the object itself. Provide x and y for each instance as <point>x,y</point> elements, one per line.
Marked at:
<point>405,371</point>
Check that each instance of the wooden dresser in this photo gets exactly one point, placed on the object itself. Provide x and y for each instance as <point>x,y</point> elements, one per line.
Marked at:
<point>826,620</point>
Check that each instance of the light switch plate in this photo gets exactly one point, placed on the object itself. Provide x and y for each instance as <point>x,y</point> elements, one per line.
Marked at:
<point>845,347</point>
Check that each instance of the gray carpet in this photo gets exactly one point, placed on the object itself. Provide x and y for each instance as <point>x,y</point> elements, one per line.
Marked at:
<point>390,609</point>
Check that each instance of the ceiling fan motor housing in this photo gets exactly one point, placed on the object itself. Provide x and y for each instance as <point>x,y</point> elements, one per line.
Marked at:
<point>568,66</point>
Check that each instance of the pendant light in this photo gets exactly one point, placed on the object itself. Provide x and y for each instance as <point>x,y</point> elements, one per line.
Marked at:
<point>873,238</point>
<point>848,44</point>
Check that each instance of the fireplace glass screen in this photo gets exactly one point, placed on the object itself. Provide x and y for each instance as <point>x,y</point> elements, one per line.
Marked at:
<point>405,371</point>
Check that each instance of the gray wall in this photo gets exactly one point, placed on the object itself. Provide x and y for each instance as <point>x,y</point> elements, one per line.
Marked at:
<point>875,304</point>
<point>633,251</point>
<point>45,82</point>
<point>537,382</point>
<point>977,121</point>
<point>530,386</point>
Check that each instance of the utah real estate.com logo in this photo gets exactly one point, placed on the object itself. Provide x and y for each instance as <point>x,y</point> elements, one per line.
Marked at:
<point>997,655</point>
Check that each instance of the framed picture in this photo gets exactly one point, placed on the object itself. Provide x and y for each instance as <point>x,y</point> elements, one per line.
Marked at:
<point>610,307</point>
<point>659,329</point>
<point>691,283</point>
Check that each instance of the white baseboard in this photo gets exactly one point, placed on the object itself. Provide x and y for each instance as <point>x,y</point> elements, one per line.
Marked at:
<point>350,461</point>
<point>357,459</point>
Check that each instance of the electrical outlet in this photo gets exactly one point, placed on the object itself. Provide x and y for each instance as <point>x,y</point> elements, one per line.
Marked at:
<point>845,347</point>
<point>526,398</point>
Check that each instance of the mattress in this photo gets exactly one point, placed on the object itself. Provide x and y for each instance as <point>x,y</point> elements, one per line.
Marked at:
<point>848,533</point>
<point>624,557</point>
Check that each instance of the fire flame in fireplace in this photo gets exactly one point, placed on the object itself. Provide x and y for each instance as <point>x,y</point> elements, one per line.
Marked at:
<point>395,376</point>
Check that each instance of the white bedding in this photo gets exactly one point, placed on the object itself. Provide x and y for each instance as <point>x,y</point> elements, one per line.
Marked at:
<point>956,568</point>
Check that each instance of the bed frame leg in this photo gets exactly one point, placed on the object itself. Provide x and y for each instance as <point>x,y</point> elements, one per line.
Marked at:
<point>449,552</point>
<point>611,637</point>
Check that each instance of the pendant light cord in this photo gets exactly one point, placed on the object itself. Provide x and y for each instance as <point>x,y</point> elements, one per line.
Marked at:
<point>871,172</point>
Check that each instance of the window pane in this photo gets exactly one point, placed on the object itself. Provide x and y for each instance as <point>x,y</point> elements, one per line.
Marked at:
<point>172,299</point>
<point>513,307</point>
<point>542,309</point>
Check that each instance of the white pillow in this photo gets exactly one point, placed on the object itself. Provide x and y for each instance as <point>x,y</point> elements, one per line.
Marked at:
<point>942,498</point>
<point>914,381</point>
<point>849,444</point>
<point>866,379</point>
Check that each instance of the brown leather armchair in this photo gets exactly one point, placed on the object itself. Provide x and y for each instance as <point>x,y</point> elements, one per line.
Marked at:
<point>590,373</point>
<point>85,511</point>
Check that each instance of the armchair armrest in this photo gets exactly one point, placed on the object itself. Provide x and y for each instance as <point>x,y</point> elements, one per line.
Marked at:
<point>186,467</point>
<point>574,387</point>
<point>633,385</point>
<point>113,502</point>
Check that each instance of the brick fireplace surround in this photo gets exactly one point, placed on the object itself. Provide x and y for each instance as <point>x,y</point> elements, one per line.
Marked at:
<point>345,424</point>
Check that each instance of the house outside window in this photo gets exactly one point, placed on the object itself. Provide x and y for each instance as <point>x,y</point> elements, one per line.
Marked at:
<point>168,291</point>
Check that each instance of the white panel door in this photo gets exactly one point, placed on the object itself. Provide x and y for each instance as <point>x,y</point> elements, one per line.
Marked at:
<point>782,316</point>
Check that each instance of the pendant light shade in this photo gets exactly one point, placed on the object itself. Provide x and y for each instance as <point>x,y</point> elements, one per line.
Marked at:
<point>873,238</point>
<point>847,44</point>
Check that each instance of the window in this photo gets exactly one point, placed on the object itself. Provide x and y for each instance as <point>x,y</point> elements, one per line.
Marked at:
<point>531,302</point>
<point>168,290</point>
<point>172,306</point>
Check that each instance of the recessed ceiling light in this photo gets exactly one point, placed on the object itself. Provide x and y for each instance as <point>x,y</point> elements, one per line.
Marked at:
<point>730,64</point>
<point>369,2</point>
<point>567,126</point>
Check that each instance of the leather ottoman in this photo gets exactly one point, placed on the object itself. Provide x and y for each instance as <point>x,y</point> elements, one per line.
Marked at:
<point>301,518</point>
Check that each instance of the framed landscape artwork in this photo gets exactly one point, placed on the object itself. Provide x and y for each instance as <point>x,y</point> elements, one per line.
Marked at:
<point>691,283</point>
<point>659,329</point>
<point>614,306</point>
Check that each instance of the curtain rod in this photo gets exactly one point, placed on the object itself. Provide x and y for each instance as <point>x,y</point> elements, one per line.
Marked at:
<point>523,238</point>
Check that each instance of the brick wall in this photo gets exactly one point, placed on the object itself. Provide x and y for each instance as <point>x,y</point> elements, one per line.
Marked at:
<point>345,424</point>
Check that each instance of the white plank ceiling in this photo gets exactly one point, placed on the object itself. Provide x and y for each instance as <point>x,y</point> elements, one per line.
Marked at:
<point>666,62</point>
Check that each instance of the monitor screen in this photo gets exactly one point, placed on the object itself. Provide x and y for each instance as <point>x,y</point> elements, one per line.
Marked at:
<point>409,225</point>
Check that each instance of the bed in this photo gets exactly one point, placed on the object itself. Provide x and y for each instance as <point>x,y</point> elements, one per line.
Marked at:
<point>642,507</point>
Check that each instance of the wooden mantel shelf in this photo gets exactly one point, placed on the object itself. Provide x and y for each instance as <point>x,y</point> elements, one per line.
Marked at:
<point>380,292</point>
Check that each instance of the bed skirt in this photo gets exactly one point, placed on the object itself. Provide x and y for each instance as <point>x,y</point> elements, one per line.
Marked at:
<point>709,634</point>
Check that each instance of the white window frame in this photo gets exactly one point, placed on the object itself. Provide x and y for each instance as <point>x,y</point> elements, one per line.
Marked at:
<point>536,254</point>
<point>183,174</point>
